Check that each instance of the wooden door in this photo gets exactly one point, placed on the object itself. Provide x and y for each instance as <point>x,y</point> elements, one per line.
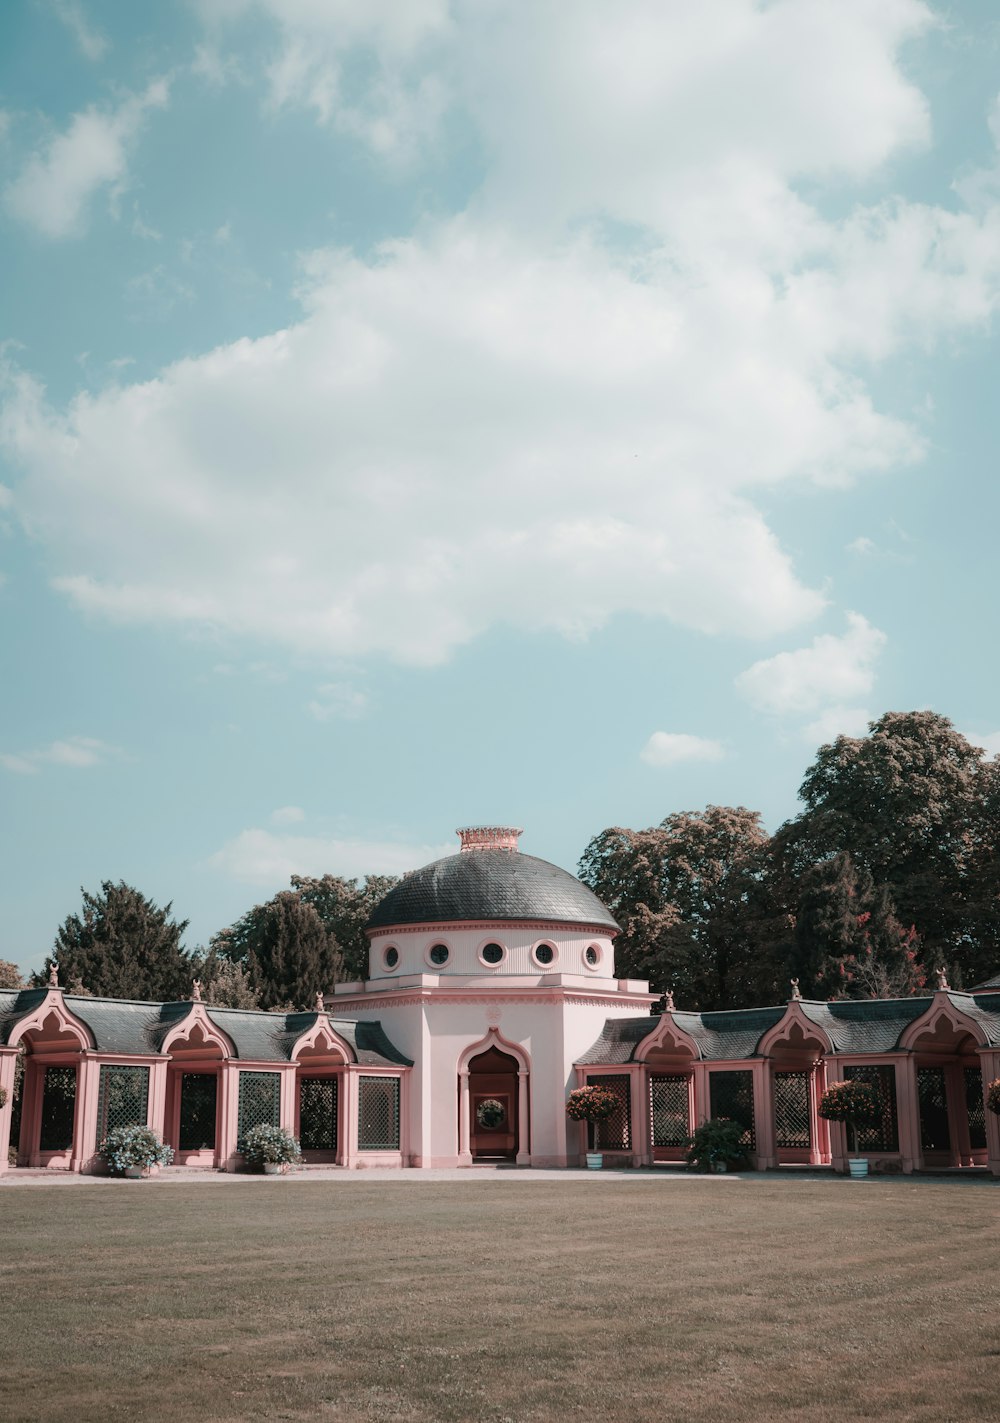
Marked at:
<point>493,1106</point>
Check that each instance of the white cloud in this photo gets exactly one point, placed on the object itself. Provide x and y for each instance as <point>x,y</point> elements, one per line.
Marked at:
<point>834,722</point>
<point>338,699</point>
<point>830,670</point>
<point>288,815</point>
<point>92,44</point>
<point>563,404</point>
<point>79,752</point>
<point>671,748</point>
<point>988,740</point>
<point>55,187</point>
<point>862,546</point>
<point>264,858</point>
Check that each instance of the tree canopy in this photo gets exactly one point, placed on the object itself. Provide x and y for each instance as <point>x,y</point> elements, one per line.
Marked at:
<point>122,946</point>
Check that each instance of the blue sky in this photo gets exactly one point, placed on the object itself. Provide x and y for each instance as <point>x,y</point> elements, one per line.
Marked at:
<point>445,412</point>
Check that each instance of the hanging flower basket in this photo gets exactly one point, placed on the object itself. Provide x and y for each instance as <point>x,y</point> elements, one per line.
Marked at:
<point>852,1102</point>
<point>993,1096</point>
<point>592,1105</point>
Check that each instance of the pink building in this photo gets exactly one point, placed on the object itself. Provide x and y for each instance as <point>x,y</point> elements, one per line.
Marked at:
<point>491,994</point>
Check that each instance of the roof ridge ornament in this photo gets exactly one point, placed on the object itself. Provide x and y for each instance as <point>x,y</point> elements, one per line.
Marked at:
<point>53,974</point>
<point>796,995</point>
<point>489,837</point>
<point>943,985</point>
<point>320,1006</point>
<point>668,1001</point>
<point>196,991</point>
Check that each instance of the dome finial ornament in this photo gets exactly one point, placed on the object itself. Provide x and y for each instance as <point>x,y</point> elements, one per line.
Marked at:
<point>489,837</point>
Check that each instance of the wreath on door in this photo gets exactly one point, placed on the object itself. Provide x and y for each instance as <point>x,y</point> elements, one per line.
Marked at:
<point>491,1114</point>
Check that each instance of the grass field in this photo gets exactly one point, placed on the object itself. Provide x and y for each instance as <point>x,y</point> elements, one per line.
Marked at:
<point>621,1300</point>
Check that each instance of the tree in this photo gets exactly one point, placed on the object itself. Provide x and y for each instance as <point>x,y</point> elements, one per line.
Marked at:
<point>122,946</point>
<point>849,941</point>
<point>918,808</point>
<point>345,905</point>
<point>10,975</point>
<point>224,984</point>
<point>696,905</point>
<point>285,950</point>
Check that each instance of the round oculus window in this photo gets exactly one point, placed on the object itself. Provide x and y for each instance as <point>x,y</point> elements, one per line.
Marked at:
<point>492,953</point>
<point>592,956</point>
<point>544,954</point>
<point>438,954</point>
<point>390,958</point>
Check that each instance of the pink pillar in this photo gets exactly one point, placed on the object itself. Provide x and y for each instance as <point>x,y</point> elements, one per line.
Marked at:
<point>991,1070</point>
<point>523,1126</point>
<point>819,1151</point>
<point>353,1113</point>
<point>464,1121</point>
<point>157,1107</point>
<point>702,1098</point>
<point>85,1143</point>
<point>958,1117</point>
<point>642,1133</point>
<point>8,1061</point>
<point>763,1111</point>
<point>286,1099</point>
<point>228,1116</point>
<point>31,1111</point>
<point>908,1113</point>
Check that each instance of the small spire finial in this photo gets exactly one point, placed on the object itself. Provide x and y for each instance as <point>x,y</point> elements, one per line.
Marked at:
<point>668,1001</point>
<point>54,975</point>
<point>942,980</point>
<point>196,991</point>
<point>796,995</point>
<point>320,1006</point>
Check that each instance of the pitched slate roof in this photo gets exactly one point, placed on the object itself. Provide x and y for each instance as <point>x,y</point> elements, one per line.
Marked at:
<point>866,1026</point>
<point>490,884</point>
<point>992,985</point>
<point>138,1029</point>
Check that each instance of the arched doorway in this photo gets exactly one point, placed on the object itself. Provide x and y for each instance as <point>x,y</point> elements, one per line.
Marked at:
<point>493,1104</point>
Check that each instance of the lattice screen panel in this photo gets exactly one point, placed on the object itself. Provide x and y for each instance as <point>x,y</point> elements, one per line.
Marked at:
<point>616,1133</point>
<point>731,1095</point>
<point>976,1107</point>
<point>199,1091</point>
<point>122,1098</point>
<point>318,1113</point>
<point>260,1101</point>
<point>668,1110</point>
<point>883,1135</point>
<point>58,1109</point>
<point>792,1124</point>
<point>378,1113</point>
<point>934,1131</point>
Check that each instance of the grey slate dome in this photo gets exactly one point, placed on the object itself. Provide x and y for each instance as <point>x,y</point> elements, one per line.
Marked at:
<point>490,879</point>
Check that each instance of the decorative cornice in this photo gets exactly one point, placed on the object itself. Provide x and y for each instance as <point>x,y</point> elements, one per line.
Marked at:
<point>529,995</point>
<point>451,926</point>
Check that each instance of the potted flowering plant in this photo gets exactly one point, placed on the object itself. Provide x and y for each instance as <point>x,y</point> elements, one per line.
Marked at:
<point>993,1096</point>
<point>592,1105</point>
<point>134,1151</point>
<point>269,1149</point>
<point>854,1103</point>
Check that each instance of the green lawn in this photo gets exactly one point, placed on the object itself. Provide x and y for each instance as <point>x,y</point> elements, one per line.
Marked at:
<point>626,1300</point>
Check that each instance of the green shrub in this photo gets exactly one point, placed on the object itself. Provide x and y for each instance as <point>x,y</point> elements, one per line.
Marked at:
<point>266,1144</point>
<point>720,1139</point>
<point>134,1146</point>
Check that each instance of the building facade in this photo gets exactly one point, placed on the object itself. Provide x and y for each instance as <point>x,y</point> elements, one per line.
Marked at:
<point>491,994</point>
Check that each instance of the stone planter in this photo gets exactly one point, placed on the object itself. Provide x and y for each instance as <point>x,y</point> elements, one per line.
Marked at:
<point>720,1167</point>
<point>595,1160</point>
<point>858,1167</point>
<point>136,1173</point>
<point>274,1168</point>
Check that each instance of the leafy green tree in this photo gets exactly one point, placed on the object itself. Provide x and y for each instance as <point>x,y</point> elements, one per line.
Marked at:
<point>122,946</point>
<point>285,950</point>
<point>344,905</point>
<point>696,905</point>
<point>224,984</point>
<point>916,806</point>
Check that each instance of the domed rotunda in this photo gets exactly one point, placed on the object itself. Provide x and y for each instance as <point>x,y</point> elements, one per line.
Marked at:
<point>493,971</point>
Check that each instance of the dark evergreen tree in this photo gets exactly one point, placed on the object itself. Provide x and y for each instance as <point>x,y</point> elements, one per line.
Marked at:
<point>285,949</point>
<point>122,946</point>
<point>344,906</point>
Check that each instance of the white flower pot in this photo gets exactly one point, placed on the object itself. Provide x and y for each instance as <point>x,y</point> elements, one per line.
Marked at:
<point>135,1173</point>
<point>720,1167</point>
<point>273,1168</point>
<point>595,1160</point>
<point>858,1167</point>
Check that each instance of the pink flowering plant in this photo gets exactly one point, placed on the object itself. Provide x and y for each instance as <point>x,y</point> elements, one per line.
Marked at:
<point>993,1096</point>
<point>852,1102</point>
<point>592,1105</point>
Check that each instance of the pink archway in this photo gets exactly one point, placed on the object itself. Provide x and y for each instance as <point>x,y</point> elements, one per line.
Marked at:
<point>948,1050</point>
<point>795,1050</point>
<point>669,1056</point>
<point>492,1048</point>
<point>195,1102</point>
<point>321,1107</point>
<point>55,1085</point>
